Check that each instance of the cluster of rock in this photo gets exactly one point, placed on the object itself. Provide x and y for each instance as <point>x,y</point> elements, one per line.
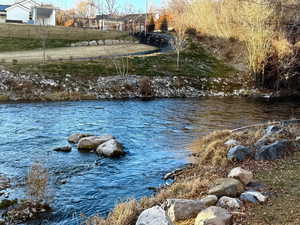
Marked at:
<point>105,145</point>
<point>269,147</point>
<point>19,211</point>
<point>216,208</point>
<point>160,40</point>
<point>103,42</point>
<point>39,87</point>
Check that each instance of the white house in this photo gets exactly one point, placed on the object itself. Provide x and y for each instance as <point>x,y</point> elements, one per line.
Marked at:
<point>44,16</point>
<point>32,12</point>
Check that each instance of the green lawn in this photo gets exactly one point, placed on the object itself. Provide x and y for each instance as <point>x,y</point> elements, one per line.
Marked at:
<point>19,44</point>
<point>195,61</point>
<point>17,37</point>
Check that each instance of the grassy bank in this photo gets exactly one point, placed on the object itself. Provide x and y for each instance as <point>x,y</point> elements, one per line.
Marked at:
<point>57,32</point>
<point>195,62</point>
<point>283,181</point>
<point>281,177</point>
<point>17,37</point>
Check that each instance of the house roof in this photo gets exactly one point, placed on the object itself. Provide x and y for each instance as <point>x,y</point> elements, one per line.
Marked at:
<point>21,4</point>
<point>126,18</point>
<point>4,7</point>
<point>43,12</point>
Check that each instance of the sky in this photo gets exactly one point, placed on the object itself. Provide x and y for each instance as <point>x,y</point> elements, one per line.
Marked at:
<point>138,4</point>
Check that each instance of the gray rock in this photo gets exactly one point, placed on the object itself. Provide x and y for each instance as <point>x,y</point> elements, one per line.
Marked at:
<point>84,43</point>
<point>297,139</point>
<point>227,202</point>
<point>209,200</point>
<point>276,150</point>
<point>109,42</point>
<point>253,196</point>
<point>245,176</point>
<point>115,42</point>
<point>101,42</point>
<point>93,43</point>
<point>154,216</point>
<point>63,149</point>
<point>273,129</point>
<point>74,138</point>
<point>181,209</point>
<point>92,142</point>
<point>214,216</point>
<point>110,148</point>
<point>227,187</point>
<point>239,153</point>
<point>232,142</point>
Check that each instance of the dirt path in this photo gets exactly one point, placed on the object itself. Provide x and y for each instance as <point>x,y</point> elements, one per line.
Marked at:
<point>75,52</point>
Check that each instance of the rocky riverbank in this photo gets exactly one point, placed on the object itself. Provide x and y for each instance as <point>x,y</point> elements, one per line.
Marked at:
<point>39,87</point>
<point>220,189</point>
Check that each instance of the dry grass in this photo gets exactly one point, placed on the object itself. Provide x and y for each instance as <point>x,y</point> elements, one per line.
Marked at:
<point>211,149</point>
<point>37,183</point>
<point>194,182</point>
<point>123,214</point>
<point>258,26</point>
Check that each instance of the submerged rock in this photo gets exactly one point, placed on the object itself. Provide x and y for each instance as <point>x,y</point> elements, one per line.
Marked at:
<point>92,142</point>
<point>110,148</point>
<point>182,209</point>
<point>245,176</point>
<point>154,216</point>
<point>63,149</point>
<point>276,150</point>
<point>227,202</point>
<point>227,187</point>
<point>4,183</point>
<point>214,216</point>
<point>239,153</point>
<point>74,138</point>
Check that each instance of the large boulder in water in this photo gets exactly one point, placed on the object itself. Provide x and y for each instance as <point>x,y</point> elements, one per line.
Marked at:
<point>110,148</point>
<point>276,150</point>
<point>92,142</point>
<point>227,187</point>
<point>154,216</point>
<point>74,138</point>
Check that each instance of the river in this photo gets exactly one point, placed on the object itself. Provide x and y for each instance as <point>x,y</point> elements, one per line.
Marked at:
<point>155,135</point>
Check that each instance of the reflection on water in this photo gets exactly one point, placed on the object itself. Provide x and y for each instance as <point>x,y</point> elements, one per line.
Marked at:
<point>154,133</point>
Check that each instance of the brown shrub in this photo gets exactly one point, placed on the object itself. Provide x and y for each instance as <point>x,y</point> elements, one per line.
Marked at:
<point>37,183</point>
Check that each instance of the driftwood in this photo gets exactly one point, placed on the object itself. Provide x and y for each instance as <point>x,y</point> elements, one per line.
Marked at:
<point>281,123</point>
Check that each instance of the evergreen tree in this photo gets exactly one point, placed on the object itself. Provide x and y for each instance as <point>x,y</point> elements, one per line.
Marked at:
<point>151,25</point>
<point>164,26</point>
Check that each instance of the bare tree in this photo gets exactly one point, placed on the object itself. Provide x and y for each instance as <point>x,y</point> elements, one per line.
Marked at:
<point>179,41</point>
<point>178,9</point>
<point>112,6</point>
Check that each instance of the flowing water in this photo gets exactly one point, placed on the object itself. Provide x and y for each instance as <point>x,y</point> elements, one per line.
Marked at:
<point>154,133</point>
